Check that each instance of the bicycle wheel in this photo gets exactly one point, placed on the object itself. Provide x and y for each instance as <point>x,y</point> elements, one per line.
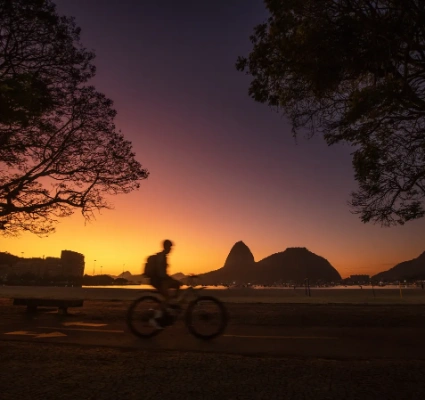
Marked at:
<point>139,314</point>
<point>206,317</point>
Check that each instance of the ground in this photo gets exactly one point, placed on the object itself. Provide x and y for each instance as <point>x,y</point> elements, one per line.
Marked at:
<point>174,367</point>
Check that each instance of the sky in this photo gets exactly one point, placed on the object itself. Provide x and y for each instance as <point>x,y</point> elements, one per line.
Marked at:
<point>223,168</point>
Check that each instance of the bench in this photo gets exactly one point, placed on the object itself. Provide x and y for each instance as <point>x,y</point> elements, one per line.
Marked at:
<point>61,304</point>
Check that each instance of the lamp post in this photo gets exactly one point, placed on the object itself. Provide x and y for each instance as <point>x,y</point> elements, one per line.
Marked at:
<point>94,266</point>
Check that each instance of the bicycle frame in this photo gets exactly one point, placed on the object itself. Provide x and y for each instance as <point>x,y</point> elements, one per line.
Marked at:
<point>187,293</point>
<point>191,291</point>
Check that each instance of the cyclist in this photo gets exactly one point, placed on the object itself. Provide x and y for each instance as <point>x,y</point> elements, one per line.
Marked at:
<point>163,282</point>
<point>160,280</point>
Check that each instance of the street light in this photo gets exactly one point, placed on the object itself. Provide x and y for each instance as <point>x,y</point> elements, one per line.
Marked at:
<point>94,266</point>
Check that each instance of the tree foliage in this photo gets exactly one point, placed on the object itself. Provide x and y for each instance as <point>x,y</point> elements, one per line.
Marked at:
<point>59,148</point>
<point>354,71</point>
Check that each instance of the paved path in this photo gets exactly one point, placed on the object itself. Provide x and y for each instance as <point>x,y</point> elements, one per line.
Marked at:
<point>308,342</point>
<point>268,352</point>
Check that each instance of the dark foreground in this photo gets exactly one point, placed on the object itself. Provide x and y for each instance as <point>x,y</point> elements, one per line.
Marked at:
<point>291,352</point>
<point>51,371</point>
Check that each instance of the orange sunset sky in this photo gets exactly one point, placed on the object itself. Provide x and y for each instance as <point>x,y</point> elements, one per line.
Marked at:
<point>222,167</point>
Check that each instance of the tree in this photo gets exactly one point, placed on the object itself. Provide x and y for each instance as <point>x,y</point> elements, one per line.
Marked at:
<point>59,148</point>
<point>354,71</point>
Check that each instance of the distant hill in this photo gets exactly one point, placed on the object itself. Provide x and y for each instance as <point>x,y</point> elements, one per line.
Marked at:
<point>142,279</point>
<point>179,276</point>
<point>129,277</point>
<point>411,269</point>
<point>293,264</point>
<point>296,264</point>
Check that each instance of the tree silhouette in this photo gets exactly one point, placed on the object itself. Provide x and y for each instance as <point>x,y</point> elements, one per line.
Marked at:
<point>59,148</point>
<point>354,71</point>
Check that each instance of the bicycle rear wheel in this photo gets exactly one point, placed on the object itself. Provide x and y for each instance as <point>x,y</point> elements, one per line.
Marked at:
<point>206,317</point>
<point>140,314</point>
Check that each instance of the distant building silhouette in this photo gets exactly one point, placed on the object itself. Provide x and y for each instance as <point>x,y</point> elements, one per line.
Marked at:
<point>71,265</point>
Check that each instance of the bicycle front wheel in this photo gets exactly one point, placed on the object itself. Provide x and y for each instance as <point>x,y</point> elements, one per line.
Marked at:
<point>140,315</point>
<point>206,317</point>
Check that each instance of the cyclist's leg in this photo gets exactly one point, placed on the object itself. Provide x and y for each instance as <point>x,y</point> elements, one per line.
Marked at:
<point>158,284</point>
<point>164,285</point>
<point>168,311</point>
<point>157,319</point>
<point>174,284</point>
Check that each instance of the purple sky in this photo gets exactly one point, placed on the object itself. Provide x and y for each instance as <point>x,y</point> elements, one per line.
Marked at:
<point>223,168</point>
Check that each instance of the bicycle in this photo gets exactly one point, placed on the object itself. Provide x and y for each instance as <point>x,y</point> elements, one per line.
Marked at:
<point>142,310</point>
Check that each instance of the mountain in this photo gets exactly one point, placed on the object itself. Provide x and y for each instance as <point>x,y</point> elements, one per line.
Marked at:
<point>126,275</point>
<point>296,264</point>
<point>411,269</point>
<point>179,276</point>
<point>139,278</point>
<point>239,263</point>
<point>239,257</point>
<point>293,264</point>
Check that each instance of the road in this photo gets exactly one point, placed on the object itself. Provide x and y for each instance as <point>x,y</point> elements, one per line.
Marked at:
<point>278,341</point>
<point>268,352</point>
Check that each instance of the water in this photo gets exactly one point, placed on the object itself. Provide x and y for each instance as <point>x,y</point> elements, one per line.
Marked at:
<point>340,287</point>
<point>142,287</point>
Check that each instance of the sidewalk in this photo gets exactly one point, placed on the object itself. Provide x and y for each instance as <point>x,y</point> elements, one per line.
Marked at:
<point>340,315</point>
<point>238,295</point>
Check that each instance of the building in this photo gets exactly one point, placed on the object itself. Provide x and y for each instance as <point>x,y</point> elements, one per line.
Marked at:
<point>50,266</point>
<point>72,263</point>
<point>69,265</point>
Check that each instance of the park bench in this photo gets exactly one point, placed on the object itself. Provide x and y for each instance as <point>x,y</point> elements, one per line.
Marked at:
<point>61,304</point>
